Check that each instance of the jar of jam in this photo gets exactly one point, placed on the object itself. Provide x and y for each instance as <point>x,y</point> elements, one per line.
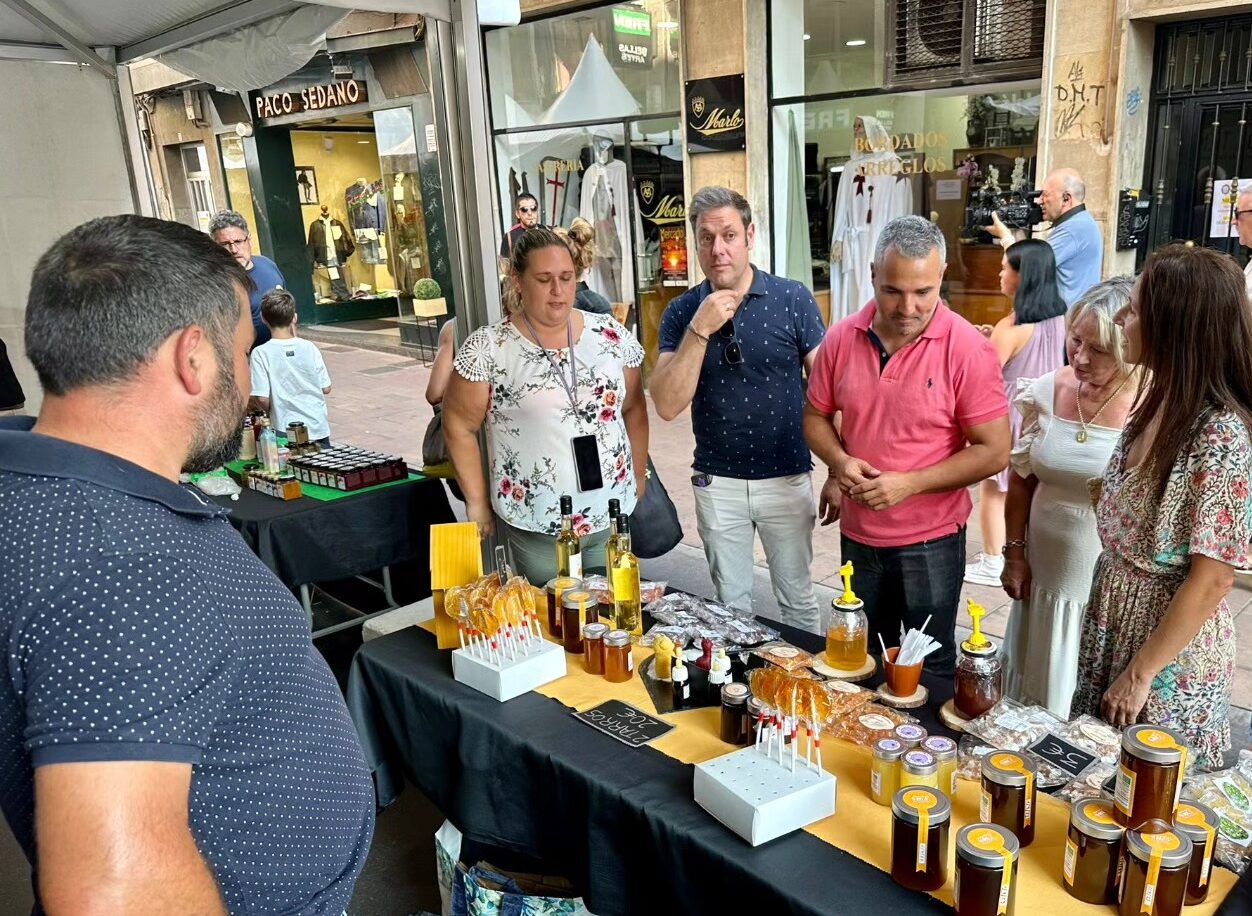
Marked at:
<point>593,647</point>
<point>735,728</point>
<point>884,770</point>
<point>918,768</point>
<point>1199,824</point>
<point>1008,794</point>
<point>619,660</point>
<point>1093,852</point>
<point>555,589</point>
<point>920,819</point>
<point>979,680</point>
<point>576,604</point>
<point>1150,775</point>
<point>945,753</point>
<point>986,871</point>
<point>910,735</point>
<point>1154,881</point>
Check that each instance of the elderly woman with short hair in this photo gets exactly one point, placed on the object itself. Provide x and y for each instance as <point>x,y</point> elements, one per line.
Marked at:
<point>1071,421</point>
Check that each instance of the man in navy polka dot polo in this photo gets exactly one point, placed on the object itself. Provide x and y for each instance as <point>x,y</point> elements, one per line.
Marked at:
<point>170,741</point>
<point>736,349</point>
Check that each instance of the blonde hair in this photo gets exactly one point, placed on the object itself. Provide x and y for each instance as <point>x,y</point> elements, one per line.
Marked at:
<point>581,238</point>
<point>1103,301</point>
<point>527,244</point>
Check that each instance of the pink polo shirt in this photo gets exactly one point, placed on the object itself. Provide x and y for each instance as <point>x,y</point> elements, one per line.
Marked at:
<point>908,417</point>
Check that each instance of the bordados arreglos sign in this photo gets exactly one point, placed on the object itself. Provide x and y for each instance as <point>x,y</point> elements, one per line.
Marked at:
<point>715,119</point>
<point>310,98</point>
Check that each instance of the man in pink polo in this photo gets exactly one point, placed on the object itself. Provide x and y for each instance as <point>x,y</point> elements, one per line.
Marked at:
<point>923,416</point>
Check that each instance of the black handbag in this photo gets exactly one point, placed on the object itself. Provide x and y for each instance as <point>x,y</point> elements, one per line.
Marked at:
<point>654,526</point>
<point>434,448</point>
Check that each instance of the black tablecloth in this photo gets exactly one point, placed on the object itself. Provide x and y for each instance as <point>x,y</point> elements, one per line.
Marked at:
<point>306,540</point>
<point>621,823</point>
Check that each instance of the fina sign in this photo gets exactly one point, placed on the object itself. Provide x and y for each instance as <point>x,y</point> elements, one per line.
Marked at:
<point>311,98</point>
<point>632,36</point>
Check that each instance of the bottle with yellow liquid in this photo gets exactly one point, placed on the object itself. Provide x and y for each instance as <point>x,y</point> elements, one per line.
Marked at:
<point>626,610</point>
<point>847,636</point>
<point>569,547</point>
<point>612,547</point>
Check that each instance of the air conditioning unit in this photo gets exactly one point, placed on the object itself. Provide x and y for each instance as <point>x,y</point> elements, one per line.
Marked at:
<point>929,34</point>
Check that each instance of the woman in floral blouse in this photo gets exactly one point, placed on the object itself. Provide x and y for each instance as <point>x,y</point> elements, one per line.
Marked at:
<point>515,375</point>
<point>1158,642</point>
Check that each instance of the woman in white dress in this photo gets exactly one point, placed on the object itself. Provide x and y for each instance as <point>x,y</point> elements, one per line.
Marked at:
<point>1071,420</point>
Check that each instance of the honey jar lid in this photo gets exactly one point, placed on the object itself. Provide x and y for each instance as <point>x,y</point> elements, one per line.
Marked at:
<point>617,638</point>
<point>734,694</point>
<point>1173,846</point>
<point>888,749</point>
<point>985,845</point>
<point>1153,743</point>
<point>1005,769</point>
<point>920,763</point>
<point>578,598</point>
<point>595,630</point>
<point>939,747</point>
<point>1094,817</point>
<point>562,583</point>
<point>755,706</point>
<point>1195,820</point>
<point>910,733</point>
<point>909,802</point>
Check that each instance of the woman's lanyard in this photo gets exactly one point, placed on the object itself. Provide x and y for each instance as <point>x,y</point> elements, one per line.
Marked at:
<point>571,390</point>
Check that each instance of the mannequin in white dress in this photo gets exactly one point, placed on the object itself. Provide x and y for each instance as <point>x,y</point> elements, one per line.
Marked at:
<point>605,203</point>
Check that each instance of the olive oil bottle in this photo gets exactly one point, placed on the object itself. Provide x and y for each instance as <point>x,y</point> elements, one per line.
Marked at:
<point>569,548</point>
<point>626,611</point>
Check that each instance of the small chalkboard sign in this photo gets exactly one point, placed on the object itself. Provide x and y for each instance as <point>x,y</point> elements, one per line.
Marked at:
<point>624,722</point>
<point>1060,753</point>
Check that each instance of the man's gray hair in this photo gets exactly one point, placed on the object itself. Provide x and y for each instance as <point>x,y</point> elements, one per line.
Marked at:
<point>714,198</point>
<point>913,237</point>
<point>1103,301</point>
<point>228,219</point>
<point>1073,185</point>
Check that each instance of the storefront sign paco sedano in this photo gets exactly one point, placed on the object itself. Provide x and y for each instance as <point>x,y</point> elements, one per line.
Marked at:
<point>311,98</point>
<point>715,119</point>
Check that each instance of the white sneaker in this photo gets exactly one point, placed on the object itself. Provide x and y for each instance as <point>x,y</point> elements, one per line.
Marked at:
<point>985,570</point>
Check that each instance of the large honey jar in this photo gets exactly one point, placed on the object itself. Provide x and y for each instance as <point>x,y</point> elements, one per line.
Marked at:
<point>1154,880</point>
<point>554,590</point>
<point>1150,775</point>
<point>1199,823</point>
<point>920,820</point>
<point>986,871</point>
<point>1093,852</point>
<point>1008,794</point>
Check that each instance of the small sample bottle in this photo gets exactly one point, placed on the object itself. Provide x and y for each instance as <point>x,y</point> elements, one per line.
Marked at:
<point>1199,824</point>
<point>920,820</point>
<point>555,588</point>
<point>719,672</point>
<point>593,647</point>
<point>611,545</point>
<point>574,609</point>
<point>918,768</point>
<point>1093,852</point>
<point>1008,794</point>
<point>569,547</point>
<point>1158,859</point>
<point>734,721</point>
<point>884,770</point>
<point>944,751</point>
<point>911,736</point>
<point>619,660</point>
<point>1150,775</point>
<point>986,871</point>
<point>625,575</point>
<point>679,681</point>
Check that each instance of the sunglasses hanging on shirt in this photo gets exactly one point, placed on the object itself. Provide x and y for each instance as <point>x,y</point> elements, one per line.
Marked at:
<point>732,353</point>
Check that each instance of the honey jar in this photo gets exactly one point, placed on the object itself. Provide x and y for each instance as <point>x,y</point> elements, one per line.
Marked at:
<point>945,753</point>
<point>576,604</point>
<point>755,711</point>
<point>986,871</point>
<point>910,735</point>
<point>1008,794</point>
<point>1199,824</point>
<point>619,660</point>
<point>884,770</point>
<point>555,589</point>
<point>1150,775</point>
<point>593,647</point>
<point>1154,880</point>
<point>920,819</point>
<point>734,721</point>
<point>1093,852</point>
<point>918,768</point>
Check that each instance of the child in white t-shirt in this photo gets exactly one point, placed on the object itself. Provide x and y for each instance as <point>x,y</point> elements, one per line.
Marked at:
<point>289,377</point>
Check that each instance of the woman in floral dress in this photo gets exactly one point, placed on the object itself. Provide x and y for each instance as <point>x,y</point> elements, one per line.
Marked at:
<point>1158,642</point>
<point>515,377</point>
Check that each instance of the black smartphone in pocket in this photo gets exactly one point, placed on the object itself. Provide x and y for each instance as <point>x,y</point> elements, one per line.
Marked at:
<point>587,463</point>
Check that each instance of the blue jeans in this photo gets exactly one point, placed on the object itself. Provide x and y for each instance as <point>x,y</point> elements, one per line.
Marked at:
<point>904,585</point>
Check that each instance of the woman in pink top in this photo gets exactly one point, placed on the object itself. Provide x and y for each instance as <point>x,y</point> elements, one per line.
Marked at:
<point>1030,342</point>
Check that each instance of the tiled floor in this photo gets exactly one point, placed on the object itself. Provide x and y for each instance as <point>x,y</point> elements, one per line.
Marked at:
<point>378,402</point>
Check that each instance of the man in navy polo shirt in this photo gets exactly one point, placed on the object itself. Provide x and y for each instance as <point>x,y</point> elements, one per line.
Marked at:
<point>736,348</point>
<point>170,741</point>
<point>230,230</point>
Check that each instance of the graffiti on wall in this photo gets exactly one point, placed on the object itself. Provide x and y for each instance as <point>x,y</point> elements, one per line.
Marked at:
<point>1077,104</point>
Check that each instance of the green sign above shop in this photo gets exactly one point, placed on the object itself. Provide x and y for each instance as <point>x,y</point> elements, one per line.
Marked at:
<point>628,21</point>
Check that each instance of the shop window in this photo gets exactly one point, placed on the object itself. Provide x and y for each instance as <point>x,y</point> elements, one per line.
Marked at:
<point>818,47</point>
<point>608,62</point>
<point>238,187</point>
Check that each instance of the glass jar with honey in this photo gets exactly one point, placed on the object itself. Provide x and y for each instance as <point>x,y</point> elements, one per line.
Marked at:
<point>1008,794</point>
<point>576,605</point>
<point>734,719</point>
<point>920,820</point>
<point>1149,776</point>
<point>986,871</point>
<point>918,768</point>
<point>619,660</point>
<point>593,647</point>
<point>884,770</point>
<point>555,588</point>
<point>979,680</point>
<point>1093,851</point>
<point>944,751</point>
<point>910,735</point>
<point>1199,824</point>
<point>1155,877</point>
<point>847,634</point>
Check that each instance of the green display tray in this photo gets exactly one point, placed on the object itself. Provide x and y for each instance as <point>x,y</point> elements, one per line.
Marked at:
<point>326,494</point>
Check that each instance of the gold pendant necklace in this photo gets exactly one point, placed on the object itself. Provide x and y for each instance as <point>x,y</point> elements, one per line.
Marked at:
<point>1081,435</point>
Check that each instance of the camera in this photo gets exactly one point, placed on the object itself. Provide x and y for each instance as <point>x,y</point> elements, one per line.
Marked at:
<point>1016,209</point>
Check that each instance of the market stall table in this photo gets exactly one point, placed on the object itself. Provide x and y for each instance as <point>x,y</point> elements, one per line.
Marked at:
<point>309,540</point>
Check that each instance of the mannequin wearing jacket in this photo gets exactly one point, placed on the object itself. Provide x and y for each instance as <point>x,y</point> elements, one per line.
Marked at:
<point>330,246</point>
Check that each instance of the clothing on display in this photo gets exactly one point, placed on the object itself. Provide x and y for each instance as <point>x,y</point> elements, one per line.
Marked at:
<point>329,241</point>
<point>872,192</point>
<point>605,203</point>
<point>408,229</point>
<point>364,201</point>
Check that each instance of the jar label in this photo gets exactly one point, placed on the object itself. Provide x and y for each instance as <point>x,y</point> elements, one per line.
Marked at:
<point>1071,857</point>
<point>1124,791</point>
<point>992,841</point>
<point>576,565</point>
<point>630,659</point>
<point>1159,843</point>
<point>1191,815</point>
<point>984,806</point>
<point>921,802</point>
<point>875,782</point>
<point>1015,764</point>
<point>1099,812</point>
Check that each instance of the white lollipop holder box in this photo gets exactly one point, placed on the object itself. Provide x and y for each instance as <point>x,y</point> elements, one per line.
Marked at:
<point>761,799</point>
<point>512,676</point>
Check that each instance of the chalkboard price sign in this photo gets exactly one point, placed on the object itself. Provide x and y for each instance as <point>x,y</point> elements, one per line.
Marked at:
<point>1060,753</point>
<point>624,722</point>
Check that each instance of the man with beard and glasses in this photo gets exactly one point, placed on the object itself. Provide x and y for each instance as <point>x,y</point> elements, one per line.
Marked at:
<point>170,741</point>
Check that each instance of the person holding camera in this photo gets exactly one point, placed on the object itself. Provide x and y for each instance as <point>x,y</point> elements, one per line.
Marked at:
<point>1075,238</point>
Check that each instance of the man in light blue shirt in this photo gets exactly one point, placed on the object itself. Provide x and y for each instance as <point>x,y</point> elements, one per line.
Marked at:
<point>1075,238</point>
